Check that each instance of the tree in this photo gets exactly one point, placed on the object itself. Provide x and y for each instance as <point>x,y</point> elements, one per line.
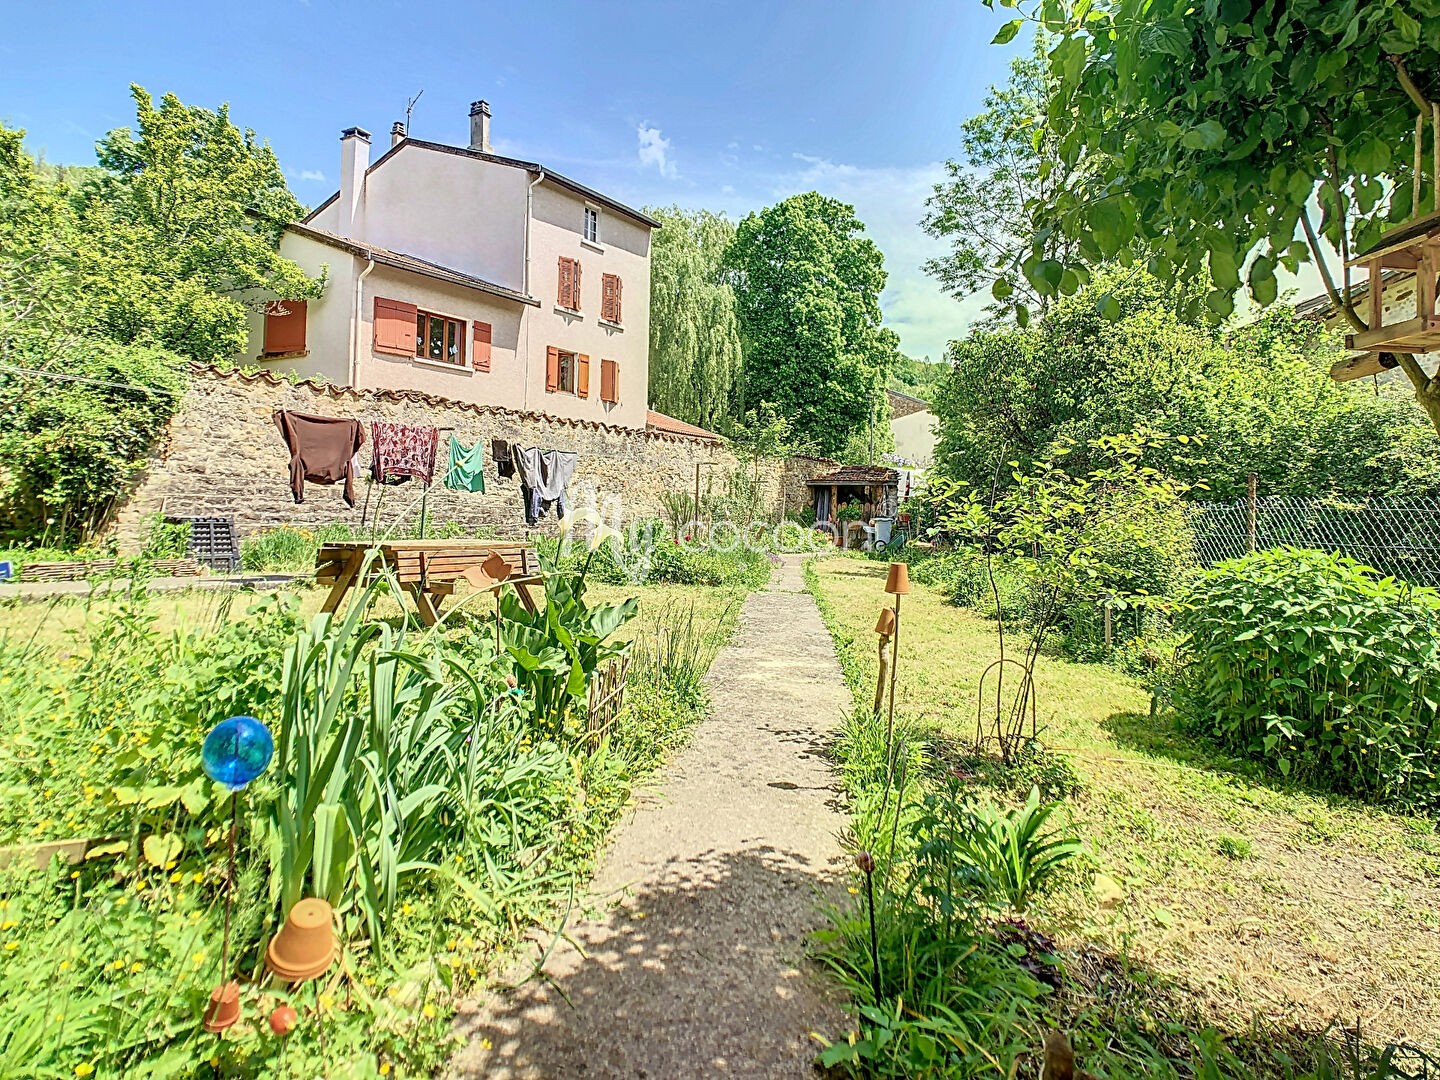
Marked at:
<point>694,335</point>
<point>108,287</point>
<point>1261,397</point>
<point>808,297</point>
<point>1226,138</point>
<point>1008,159</point>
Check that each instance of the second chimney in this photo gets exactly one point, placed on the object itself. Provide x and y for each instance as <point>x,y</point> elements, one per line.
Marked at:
<point>354,160</point>
<point>397,133</point>
<point>480,126</point>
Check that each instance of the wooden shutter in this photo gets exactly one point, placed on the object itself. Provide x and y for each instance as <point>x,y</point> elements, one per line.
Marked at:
<point>575,284</point>
<point>607,297</point>
<point>394,327</point>
<point>569,283</point>
<point>284,327</point>
<point>552,369</point>
<point>582,376</point>
<point>609,381</point>
<point>617,319</point>
<point>481,355</point>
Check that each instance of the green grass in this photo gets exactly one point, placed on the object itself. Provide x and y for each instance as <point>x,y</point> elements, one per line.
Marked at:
<point>1254,898</point>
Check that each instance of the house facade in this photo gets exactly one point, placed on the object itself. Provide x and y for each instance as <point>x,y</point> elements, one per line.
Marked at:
<point>913,424</point>
<point>472,276</point>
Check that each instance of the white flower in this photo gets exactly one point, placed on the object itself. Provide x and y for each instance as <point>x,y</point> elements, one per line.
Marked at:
<point>601,534</point>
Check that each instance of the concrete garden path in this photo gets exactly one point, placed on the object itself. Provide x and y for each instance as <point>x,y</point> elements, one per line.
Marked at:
<point>695,965</point>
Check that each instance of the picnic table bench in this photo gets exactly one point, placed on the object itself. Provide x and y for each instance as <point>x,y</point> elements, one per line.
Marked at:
<point>426,569</point>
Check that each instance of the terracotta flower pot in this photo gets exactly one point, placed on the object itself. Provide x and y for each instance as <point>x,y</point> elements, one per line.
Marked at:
<point>898,581</point>
<point>224,1009</point>
<point>885,625</point>
<point>305,945</point>
<point>489,573</point>
<point>283,1019</point>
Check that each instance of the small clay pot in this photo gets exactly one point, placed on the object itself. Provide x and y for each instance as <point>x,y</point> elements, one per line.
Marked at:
<point>224,1009</point>
<point>885,625</point>
<point>898,581</point>
<point>305,945</point>
<point>283,1019</point>
<point>489,573</point>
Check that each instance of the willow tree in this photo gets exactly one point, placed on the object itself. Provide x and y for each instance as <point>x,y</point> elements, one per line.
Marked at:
<point>694,335</point>
<point>1225,138</point>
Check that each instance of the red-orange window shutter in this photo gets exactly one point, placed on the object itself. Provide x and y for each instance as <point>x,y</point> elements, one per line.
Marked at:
<point>394,327</point>
<point>609,381</point>
<point>610,298</point>
<point>481,355</point>
<point>575,285</point>
<point>284,327</point>
<point>563,296</point>
<point>582,376</point>
<point>617,318</point>
<point>552,369</point>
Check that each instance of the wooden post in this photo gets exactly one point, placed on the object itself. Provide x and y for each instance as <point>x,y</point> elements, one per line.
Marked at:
<point>894,668</point>
<point>695,510</point>
<point>1251,487</point>
<point>1419,158</point>
<point>1109,638</point>
<point>884,678</point>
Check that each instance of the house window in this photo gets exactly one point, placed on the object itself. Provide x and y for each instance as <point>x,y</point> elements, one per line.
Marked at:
<point>569,294</point>
<point>565,381</point>
<point>610,298</point>
<point>592,224</point>
<point>439,338</point>
<point>567,372</point>
<point>284,327</point>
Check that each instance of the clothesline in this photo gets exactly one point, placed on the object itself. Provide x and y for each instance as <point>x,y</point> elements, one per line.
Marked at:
<point>62,377</point>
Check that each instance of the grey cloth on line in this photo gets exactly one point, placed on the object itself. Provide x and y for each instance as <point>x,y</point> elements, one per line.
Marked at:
<point>556,469</point>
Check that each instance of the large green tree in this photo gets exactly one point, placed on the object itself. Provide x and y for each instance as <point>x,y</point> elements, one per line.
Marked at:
<point>1260,396</point>
<point>807,289</point>
<point>694,334</point>
<point>110,280</point>
<point>1225,138</point>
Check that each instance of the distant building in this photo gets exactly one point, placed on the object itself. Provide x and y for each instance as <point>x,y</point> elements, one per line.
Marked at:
<point>472,276</point>
<point>913,425</point>
<point>1397,297</point>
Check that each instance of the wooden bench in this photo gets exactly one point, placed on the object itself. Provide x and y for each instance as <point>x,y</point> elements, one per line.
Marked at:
<point>426,569</point>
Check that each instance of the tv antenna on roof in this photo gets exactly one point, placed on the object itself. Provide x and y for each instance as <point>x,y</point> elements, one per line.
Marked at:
<point>409,108</point>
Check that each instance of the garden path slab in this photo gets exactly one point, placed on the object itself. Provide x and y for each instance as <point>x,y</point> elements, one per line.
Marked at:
<point>700,968</point>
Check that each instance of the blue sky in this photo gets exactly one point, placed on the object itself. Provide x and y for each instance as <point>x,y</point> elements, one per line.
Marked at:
<point>729,106</point>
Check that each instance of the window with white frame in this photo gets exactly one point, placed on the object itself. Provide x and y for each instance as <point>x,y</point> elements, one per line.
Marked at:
<point>592,224</point>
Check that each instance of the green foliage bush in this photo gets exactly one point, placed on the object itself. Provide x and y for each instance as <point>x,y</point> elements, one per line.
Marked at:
<point>649,551</point>
<point>1315,665</point>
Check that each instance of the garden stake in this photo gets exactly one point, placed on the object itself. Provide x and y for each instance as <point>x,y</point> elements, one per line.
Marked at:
<point>866,862</point>
<point>897,583</point>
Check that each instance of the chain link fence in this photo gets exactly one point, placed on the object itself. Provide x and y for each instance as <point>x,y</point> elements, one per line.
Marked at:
<point>1399,537</point>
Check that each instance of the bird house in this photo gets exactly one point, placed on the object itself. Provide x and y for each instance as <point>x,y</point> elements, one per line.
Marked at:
<point>1414,246</point>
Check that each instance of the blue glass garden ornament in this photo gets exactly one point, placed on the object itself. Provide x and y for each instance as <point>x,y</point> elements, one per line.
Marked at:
<point>236,751</point>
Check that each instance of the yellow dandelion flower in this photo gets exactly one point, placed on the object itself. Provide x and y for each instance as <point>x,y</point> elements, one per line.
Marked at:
<point>385,1069</point>
<point>177,877</point>
<point>11,946</point>
<point>84,1069</point>
<point>428,1011</point>
<point>136,967</point>
<point>486,1044</point>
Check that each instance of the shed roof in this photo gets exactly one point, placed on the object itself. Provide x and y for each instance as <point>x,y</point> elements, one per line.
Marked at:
<point>857,475</point>
<point>657,421</point>
<point>905,404</point>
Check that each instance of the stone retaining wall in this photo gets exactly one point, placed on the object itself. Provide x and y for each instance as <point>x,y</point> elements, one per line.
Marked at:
<point>223,455</point>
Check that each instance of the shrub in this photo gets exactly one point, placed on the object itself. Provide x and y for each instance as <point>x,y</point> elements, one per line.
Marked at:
<point>1321,668</point>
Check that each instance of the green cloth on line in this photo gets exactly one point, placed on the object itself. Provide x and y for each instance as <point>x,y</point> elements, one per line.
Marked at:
<point>467,467</point>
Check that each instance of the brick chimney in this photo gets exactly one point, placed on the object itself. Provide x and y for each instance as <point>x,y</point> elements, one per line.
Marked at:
<point>480,126</point>
<point>354,160</point>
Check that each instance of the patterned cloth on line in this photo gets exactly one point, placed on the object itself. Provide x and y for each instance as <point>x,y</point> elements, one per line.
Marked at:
<point>401,451</point>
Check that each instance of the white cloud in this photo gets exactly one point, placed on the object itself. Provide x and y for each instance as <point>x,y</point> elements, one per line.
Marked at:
<point>308,175</point>
<point>655,150</point>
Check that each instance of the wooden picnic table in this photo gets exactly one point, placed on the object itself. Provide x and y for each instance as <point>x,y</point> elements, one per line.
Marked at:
<point>426,569</point>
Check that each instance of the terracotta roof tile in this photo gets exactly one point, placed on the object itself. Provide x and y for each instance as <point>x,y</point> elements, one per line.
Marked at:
<point>857,475</point>
<point>656,421</point>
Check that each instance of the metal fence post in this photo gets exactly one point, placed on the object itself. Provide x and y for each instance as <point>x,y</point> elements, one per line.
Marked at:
<point>1250,493</point>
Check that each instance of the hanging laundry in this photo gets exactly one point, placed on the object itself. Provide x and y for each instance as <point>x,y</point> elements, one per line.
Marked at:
<point>322,450</point>
<point>502,452</point>
<point>401,451</point>
<point>467,467</point>
<point>527,463</point>
<point>556,469</point>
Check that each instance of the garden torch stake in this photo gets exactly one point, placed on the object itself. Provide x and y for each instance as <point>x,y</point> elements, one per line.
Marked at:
<point>229,883</point>
<point>894,666</point>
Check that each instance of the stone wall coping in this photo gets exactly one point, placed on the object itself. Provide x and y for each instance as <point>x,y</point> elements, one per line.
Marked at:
<point>329,390</point>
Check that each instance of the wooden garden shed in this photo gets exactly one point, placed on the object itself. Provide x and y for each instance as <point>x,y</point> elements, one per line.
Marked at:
<point>875,487</point>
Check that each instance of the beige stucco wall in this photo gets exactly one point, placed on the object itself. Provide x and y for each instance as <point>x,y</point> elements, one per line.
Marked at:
<point>915,437</point>
<point>222,454</point>
<point>327,320</point>
<point>624,249</point>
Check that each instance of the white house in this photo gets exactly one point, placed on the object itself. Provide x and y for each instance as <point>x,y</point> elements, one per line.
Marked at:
<point>913,425</point>
<point>472,276</point>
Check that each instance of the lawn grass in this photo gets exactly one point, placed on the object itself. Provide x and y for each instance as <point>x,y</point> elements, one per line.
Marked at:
<point>1252,897</point>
